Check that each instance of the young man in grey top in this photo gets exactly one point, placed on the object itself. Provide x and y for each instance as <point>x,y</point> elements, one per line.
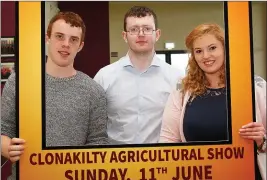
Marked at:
<point>76,112</point>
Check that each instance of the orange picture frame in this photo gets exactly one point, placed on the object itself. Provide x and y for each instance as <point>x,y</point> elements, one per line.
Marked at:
<point>235,160</point>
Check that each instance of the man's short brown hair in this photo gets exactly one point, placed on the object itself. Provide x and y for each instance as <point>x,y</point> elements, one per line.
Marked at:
<point>140,11</point>
<point>70,18</point>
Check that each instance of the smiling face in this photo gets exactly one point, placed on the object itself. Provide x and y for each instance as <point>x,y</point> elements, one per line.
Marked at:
<point>209,53</point>
<point>64,43</point>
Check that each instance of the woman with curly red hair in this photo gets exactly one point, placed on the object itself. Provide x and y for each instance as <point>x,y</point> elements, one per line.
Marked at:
<point>197,112</point>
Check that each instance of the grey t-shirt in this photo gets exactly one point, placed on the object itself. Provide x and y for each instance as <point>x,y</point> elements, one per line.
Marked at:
<point>76,111</point>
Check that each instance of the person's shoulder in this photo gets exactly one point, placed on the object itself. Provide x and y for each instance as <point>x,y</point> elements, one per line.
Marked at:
<point>172,72</point>
<point>89,84</point>
<point>259,81</point>
<point>176,92</point>
<point>260,85</point>
<point>110,67</point>
<point>86,79</point>
<point>170,68</point>
<point>11,79</point>
<point>176,96</point>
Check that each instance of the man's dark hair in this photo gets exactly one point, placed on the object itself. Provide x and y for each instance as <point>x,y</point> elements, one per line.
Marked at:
<point>70,18</point>
<point>140,11</point>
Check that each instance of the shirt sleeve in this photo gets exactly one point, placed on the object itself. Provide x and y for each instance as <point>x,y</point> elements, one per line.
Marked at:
<point>8,108</point>
<point>171,118</point>
<point>99,78</point>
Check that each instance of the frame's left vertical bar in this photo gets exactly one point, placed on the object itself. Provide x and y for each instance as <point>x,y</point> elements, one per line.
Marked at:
<point>29,82</point>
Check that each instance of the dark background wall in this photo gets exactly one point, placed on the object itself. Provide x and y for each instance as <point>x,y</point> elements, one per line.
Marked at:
<point>8,18</point>
<point>95,53</point>
<point>7,21</point>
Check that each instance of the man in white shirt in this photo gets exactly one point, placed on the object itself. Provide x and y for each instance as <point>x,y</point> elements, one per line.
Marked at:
<point>138,85</point>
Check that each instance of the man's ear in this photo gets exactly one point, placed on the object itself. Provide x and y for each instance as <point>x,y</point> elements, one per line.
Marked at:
<point>158,34</point>
<point>124,36</point>
<point>47,39</point>
<point>81,47</point>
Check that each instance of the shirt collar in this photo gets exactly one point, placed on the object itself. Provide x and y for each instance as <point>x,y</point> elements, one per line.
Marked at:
<point>127,62</point>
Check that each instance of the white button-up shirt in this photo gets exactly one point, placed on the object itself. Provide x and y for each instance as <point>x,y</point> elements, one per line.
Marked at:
<point>136,100</point>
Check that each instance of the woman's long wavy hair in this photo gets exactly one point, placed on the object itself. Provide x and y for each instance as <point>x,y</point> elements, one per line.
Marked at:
<point>195,80</point>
